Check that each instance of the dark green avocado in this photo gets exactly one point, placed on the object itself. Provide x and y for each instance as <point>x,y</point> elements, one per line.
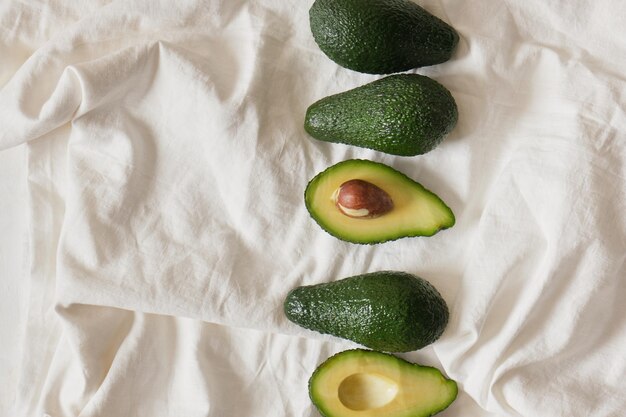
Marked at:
<point>402,114</point>
<point>389,310</point>
<point>370,383</point>
<point>380,36</point>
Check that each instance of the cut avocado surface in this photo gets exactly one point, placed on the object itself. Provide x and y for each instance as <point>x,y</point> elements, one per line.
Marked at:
<point>416,211</point>
<point>380,36</point>
<point>390,311</point>
<point>401,114</point>
<point>364,383</point>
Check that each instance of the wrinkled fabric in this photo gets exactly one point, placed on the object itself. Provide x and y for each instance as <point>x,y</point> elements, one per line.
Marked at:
<point>166,165</point>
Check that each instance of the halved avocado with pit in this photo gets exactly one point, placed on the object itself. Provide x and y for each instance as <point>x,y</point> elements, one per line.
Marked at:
<point>366,383</point>
<point>414,210</point>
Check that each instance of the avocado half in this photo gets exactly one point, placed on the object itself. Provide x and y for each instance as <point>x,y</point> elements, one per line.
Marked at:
<point>416,210</point>
<point>367,383</point>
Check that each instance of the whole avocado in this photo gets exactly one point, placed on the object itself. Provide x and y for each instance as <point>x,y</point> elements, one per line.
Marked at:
<point>389,311</point>
<point>380,36</point>
<point>400,114</point>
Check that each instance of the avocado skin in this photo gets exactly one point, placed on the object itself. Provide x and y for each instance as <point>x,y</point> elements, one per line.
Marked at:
<point>402,114</point>
<point>380,36</point>
<point>388,311</point>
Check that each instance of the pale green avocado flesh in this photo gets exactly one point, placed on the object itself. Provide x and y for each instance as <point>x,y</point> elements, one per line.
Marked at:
<point>416,210</point>
<point>365,383</point>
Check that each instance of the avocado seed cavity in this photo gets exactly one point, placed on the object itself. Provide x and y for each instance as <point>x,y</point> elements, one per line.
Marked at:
<point>367,391</point>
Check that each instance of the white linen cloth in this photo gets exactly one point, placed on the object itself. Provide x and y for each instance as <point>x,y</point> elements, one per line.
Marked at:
<point>166,166</point>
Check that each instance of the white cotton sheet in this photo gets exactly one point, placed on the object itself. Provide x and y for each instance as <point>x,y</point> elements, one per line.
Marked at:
<point>166,163</point>
<point>12,283</point>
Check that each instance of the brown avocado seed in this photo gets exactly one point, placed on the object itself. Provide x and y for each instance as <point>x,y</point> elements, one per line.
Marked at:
<point>361,199</point>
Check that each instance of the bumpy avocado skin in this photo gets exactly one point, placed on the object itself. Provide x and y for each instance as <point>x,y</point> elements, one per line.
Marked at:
<point>380,36</point>
<point>388,311</point>
<point>402,114</point>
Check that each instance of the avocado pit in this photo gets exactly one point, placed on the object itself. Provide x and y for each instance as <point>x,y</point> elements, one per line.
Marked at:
<point>361,199</point>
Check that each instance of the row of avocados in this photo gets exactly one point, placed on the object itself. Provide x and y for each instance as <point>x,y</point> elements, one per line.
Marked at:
<point>400,114</point>
<point>385,312</point>
<point>366,202</point>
